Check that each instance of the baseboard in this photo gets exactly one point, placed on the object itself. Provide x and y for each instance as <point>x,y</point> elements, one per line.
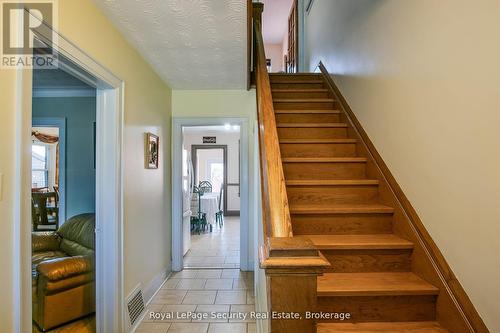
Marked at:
<point>457,300</point>
<point>151,290</point>
<point>232,213</point>
<point>155,285</point>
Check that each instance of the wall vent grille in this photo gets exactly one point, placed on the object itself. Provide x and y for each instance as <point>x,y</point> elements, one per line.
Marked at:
<point>135,306</point>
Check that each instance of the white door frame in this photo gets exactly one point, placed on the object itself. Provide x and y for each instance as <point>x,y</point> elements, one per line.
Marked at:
<point>109,179</point>
<point>60,123</point>
<point>177,239</point>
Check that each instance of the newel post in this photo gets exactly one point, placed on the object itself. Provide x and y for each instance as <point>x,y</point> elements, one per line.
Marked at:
<point>257,9</point>
<point>292,265</point>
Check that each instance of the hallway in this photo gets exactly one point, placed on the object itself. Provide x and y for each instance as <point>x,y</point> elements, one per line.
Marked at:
<point>215,292</point>
<point>217,249</point>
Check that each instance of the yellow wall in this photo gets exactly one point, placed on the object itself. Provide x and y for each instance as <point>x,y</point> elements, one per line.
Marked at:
<point>7,102</point>
<point>147,236</point>
<point>423,77</point>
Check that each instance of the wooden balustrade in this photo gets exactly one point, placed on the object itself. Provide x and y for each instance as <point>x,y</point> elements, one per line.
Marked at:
<point>276,214</point>
<point>292,264</point>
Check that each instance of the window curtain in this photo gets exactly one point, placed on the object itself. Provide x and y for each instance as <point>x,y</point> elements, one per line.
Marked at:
<point>46,138</point>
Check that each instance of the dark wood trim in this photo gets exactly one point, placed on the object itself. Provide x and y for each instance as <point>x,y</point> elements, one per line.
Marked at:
<point>275,210</point>
<point>232,213</point>
<point>249,43</point>
<point>452,287</point>
<point>194,148</point>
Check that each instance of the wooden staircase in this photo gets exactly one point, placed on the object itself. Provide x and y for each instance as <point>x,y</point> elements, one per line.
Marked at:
<point>336,202</point>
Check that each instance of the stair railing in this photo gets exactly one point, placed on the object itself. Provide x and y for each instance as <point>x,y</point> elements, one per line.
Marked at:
<point>276,213</point>
<point>291,263</point>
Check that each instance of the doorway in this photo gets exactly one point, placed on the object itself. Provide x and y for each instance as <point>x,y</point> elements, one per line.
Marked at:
<point>63,200</point>
<point>109,110</point>
<point>280,31</point>
<point>210,163</point>
<point>212,237</point>
<point>203,140</point>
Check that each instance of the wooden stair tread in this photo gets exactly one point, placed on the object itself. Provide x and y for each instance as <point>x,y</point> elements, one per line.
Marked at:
<point>301,81</point>
<point>303,100</point>
<point>332,182</point>
<point>393,327</point>
<point>295,74</point>
<point>342,209</point>
<point>291,125</point>
<point>373,284</point>
<point>357,242</point>
<point>324,159</point>
<point>302,141</point>
<point>291,111</point>
<point>282,90</point>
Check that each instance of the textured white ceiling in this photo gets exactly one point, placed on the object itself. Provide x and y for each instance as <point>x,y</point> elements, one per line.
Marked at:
<point>192,44</point>
<point>275,20</point>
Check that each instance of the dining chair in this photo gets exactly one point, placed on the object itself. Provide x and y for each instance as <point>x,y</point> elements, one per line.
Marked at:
<point>205,187</point>
<point>198,218</point>
<point>219,216</point>
<point>44,214</point>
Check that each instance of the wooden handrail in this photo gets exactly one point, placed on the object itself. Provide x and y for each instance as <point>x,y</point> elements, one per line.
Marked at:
<point>276,213</point>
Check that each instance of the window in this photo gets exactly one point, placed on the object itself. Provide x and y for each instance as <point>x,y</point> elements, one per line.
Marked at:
<point>216,175</point>
<point>39,166</point>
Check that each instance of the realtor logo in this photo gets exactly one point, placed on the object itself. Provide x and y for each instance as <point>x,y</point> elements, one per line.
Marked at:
<point>27,34</point>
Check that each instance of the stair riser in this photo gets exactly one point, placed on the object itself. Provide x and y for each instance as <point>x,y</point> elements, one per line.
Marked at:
<point>300,94</point>
<point>341,224</point>
<point>318,149</point>
<point>291,85</point>
<point>312,133</point>
<point>292,78</point>
<point>365,261</point>
<point>309,105</point>
<point>381,308</point>
<point>331,195</point>
<point>317,118</point>
<point>315,171</point>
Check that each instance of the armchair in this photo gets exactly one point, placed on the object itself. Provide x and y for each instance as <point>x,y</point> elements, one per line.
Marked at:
<point>63,272</point>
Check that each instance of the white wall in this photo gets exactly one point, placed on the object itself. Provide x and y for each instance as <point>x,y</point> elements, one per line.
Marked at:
<point>275,53</point>
<point>224,103</point>
<point>233,170</point>
<point>423,78</point>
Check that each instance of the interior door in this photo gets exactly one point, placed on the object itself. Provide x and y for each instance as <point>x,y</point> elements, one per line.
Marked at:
<point>293,30</point>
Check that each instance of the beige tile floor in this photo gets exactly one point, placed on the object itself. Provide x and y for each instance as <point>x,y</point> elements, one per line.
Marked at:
<point>227,292</point>
<point>217,249</point>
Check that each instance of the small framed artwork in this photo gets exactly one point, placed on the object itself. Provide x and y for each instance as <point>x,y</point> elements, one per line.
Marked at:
<point>152,151</point>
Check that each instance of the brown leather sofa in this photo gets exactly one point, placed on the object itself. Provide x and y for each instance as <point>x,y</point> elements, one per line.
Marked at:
<point>63,272</point>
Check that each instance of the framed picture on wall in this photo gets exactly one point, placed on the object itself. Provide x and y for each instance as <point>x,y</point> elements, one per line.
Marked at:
<point>152,151</point>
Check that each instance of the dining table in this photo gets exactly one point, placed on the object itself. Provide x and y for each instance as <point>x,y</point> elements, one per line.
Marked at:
<point>209,206</point>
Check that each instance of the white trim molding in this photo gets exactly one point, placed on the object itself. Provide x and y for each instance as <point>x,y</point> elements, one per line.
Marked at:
<point>109,179</point>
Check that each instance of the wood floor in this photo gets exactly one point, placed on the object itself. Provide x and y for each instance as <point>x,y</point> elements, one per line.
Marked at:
<point>334,198</point>
<point>84,325</point>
